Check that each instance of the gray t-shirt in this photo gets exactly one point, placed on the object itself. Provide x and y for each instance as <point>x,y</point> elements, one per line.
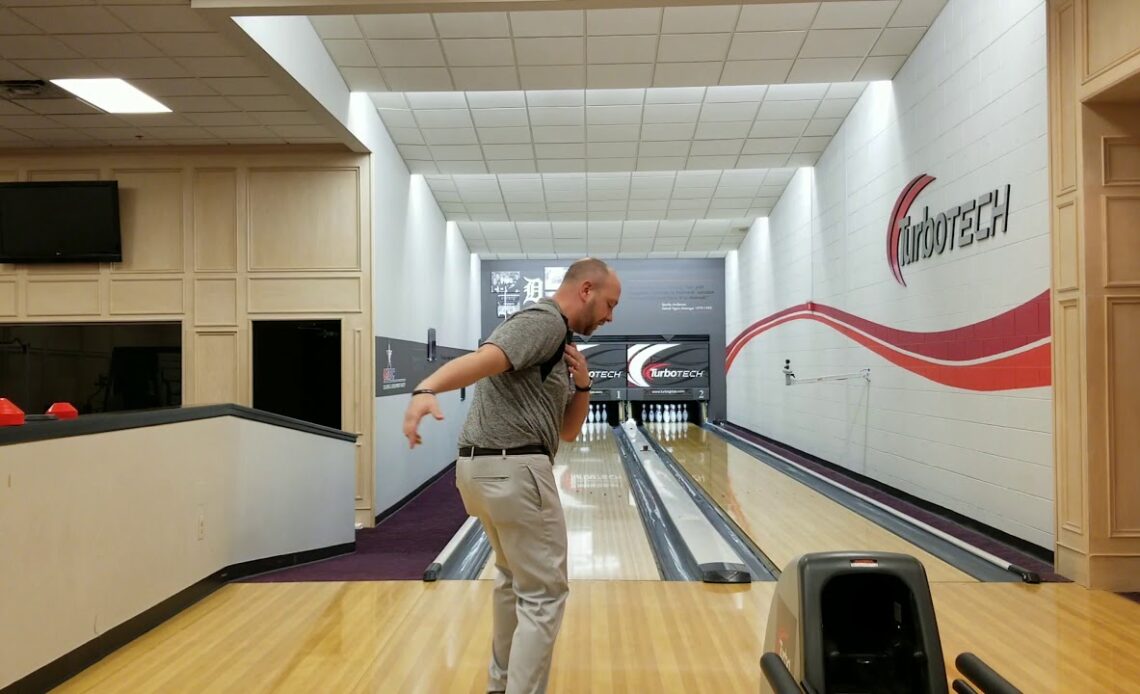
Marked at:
<point>524,405</point>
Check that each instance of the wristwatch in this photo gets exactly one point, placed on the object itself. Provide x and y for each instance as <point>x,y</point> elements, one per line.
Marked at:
<point>589,386</point>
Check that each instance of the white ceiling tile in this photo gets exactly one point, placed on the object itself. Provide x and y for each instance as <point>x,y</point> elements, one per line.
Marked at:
<point>846,90</point>
<point>692,48</point>
<point>450,136</point>
<point>812,144</point>
<point>862,14</point>
<point>839,43</point>
<point>350,52</point>
<point>664,149</point>
<point>675,229</point>
<point>143,68</point>
<point>559,133</point>
<point>478,52</point>
<point>436,100</point>
<point>30,47</point>
<point>898,41</point>
<point>221,67</point>
<point>779,176</point>
<point>389,100</point>
<point>550,51</point>
<point>780,17</point>
<point>243,85</point>
<point>716,147</point>
<point>803,159</point>
<point>623,21</point>
<point>327,27</point>
<point>417,78</point>
<point>704,163</point>
<point>756,71</point>
<point>613,133</point>
<point>916,13</point>
<point>553,77</point>
<point>667,131</point>
<point>621,49</point>
<point>787,110</point>
<point>201,44</point>
<point>397,118</point>
<point>557,115</point>
<point>615,97</point>
<point>471,24</point>
<point>426,167</point>
<point>880,68</point>
<point>75,19</point>
<point>476,78</point>
<point>702,19</point>
<point>796,92</point>
<point>660,163</point>
<point>671,113</point>
<point>504,135</point>
<point>576,150</point>
<point>771,145</point>
<point>824,69</point>
<point>443,118</point>
<point>834,108</point>
<point>726,130</point>
<point>548,23</point>
<point>415,152</point>
<point>735,111</point>
<point>574,97</point>
<point>457,152</point>
<point>731,94</point>
<point>613,115</point>
<point>112,46</point>
<point>397,26</point>
<point>762,160</point>
<point>823,126</point>
<point>596,150</point>
<point>500,117</point>
<point>496,99</point>
<point>704,179</point>
<point>767,45</point>
<point>675,95</point>
<point>618,76</point>
<point>686,74</point>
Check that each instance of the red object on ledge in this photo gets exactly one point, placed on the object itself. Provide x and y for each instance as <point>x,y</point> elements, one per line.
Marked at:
<point>10,415</point>
<point>63,410</point>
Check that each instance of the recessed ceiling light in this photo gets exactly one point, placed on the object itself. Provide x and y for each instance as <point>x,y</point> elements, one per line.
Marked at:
<point>112,95</point>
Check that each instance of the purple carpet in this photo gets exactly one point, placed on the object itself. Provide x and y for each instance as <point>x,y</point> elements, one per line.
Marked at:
<point>968,535</point>
<point>398,549</point>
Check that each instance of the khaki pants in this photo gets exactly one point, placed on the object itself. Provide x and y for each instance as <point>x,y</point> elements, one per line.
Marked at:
<point>516,500</point>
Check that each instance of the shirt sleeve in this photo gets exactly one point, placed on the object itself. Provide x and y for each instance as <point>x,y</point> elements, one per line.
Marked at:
<point>529,337</point>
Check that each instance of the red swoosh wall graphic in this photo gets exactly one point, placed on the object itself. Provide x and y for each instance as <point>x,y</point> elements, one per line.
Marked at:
<point>1006,352</point>
<point>902,207</point>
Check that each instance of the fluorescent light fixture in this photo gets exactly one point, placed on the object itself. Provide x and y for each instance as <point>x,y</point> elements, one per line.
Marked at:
<point>112,95</point>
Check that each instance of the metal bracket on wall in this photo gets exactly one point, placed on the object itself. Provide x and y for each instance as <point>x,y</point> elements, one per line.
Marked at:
<point>791,380</point>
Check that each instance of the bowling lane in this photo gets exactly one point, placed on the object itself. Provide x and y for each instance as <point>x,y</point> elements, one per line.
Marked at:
<point>606,537</point>
<point>783,517</point>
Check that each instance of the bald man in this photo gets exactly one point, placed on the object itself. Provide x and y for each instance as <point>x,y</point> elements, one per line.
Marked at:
<point>534,390</point>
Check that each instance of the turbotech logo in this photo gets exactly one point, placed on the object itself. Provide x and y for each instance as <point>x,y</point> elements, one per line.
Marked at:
<point>956,227</point>
<point>601,375</point>
<point>655,371</point>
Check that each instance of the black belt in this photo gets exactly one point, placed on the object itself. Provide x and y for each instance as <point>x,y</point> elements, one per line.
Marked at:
<point>468,451</point>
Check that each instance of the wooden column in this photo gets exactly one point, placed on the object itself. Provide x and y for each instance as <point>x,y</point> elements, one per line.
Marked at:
<point>1094,75</point>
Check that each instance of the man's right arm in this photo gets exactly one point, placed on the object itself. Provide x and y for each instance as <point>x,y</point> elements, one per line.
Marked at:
<point>488,360</point>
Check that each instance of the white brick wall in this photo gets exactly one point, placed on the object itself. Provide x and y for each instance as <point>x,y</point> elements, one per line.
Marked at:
<point>968,108</point>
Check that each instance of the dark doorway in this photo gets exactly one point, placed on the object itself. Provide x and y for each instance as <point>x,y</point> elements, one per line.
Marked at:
<point>296,369</point>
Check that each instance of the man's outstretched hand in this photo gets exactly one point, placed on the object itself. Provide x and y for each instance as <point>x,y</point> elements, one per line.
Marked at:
<point>419,406</point>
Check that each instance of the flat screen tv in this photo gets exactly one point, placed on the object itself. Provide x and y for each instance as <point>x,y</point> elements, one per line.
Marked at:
<point>60,222</point>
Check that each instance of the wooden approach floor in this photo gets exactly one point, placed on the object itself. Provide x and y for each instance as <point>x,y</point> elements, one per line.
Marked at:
<point>618,636</point>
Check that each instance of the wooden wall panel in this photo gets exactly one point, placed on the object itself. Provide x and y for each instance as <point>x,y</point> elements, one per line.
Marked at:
<point>146,296</point>
<point>1122,240</point>
<point>1067,260</point>
<point>151,216</point>
<point>1110,33</point>
<point>304,295</point>
<point>304,220</point>
<point>64,175</point>
<point>8,175</point>
<point>215,301</point>
<point>63,297</point>
<point>9,293</point>
<point>1065,88</point>
<point>1124,406</point>
<point>1121,161</point>
<point>216,367</point>
<point>215,220</point>
<point>1070,444</point>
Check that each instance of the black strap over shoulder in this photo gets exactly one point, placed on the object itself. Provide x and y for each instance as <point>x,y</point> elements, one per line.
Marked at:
<point>547,366</point>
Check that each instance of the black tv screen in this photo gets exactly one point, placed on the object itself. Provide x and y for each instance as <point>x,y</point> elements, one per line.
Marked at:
<point>60,222</point>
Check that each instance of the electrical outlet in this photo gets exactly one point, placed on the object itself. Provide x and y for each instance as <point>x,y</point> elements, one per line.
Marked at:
<point>201,523</point>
